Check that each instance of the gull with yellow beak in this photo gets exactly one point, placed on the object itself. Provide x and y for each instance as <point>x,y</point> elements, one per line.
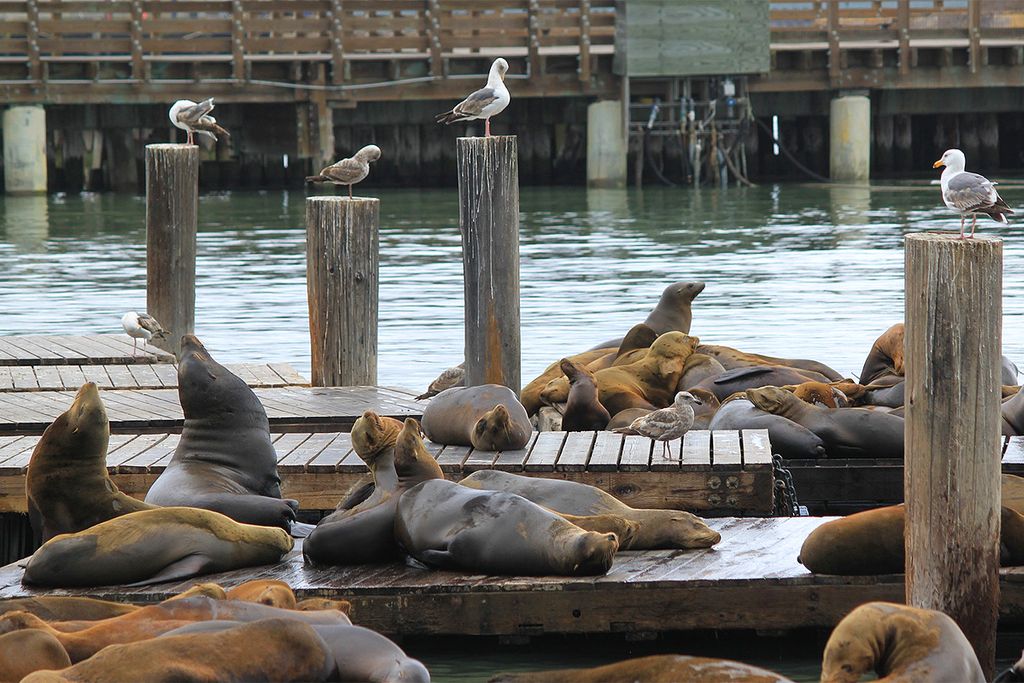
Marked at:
<point>969,193</point>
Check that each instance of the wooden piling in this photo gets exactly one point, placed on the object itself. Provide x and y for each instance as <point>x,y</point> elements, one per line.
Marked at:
<point>952,477</point>
<point>341,284</point>
<point>489,222</point>
<point>172,189</point>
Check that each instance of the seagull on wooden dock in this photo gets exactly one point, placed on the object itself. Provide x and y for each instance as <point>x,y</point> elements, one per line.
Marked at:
<point>348,171</point>
<point>969,193</point>
<point>195,118</point>
<point>141,326</point>
<point>486,102</point>
<point>667,424</point>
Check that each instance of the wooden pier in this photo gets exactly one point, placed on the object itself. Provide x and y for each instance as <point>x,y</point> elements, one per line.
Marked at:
<point>91,349</point>
<point>134,376</point>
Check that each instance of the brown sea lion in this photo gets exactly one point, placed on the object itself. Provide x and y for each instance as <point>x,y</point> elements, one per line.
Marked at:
<point>265,592</point>
<point>846,432</point>
<point>699,367</point>
<point>67,484</point>
<point>649,383</point>
<point>225,460</point>
<point>732,359</point>
<point>583,412</point>
<point>273,650</point>
<point>66,608</point>
<point>365,534</point>
<point>316,604</point>
<point>488,417</point>
<point>704,412</point>
<point>443,524</point>
<point>23,652</point>
<point>1012,495</point>
<point>1012,411</point>
<point>656,528</point>
<point>885,359</point>
<point>653,669</point>
<point>788,439</point>
<point>819,394</point>
<point>151,546</point>
<point>899,644</point>
<point>530,394</point>
<point>734,381</point>
<point>673,311</point>
<point>624,418</point>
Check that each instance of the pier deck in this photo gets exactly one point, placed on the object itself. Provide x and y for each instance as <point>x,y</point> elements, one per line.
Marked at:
<point>156,375</point>
<point>719,472</point>
<point>751,580</point>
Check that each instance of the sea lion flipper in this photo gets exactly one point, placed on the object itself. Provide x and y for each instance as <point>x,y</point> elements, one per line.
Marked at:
<point>411,561</point>
<point>186,567</point>
<point>750,371</point>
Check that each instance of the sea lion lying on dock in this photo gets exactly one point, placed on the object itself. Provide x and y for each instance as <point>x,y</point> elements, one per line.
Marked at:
<point>819,394</point>
<point>225,460</point>
<point>66,608</point>
<point>268,592</point>
<point>67,484</point>
<point>699,367</point>
<point>731,359</point>
<point>152,546</point>
<point>656,528</point>
<point>488,417</point>
<point>788,439</point>
<point>899,643</point>
<point>22,652</point>
<point>751,377</point>
<point>653,669</point>
<point>530,394</point>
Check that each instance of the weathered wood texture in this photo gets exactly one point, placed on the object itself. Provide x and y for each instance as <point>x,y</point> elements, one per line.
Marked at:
<point>342,237</point>
<point>172,200</point>
<point>149,410</point>
<point>952,346</point>
<point>92,349</point>
<point>138,376</point>
<point>489,221</point>
<point>320,468</point>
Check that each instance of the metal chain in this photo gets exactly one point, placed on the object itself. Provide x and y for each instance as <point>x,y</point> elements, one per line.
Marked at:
<point>786,504</point>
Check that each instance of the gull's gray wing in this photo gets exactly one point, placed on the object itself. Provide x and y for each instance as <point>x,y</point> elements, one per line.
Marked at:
<point>192,115</point>
<point>346,171</point>
<point>970,191</point>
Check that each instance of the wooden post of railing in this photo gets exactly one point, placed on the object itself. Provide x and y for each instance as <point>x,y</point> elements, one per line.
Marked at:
<point>585,40</point>
<point>138,64</point>
<point>533,39</point>
<point>238,40</point>
<point>434,38</point>
<point>835,65</point>
<point>952,469</point>
<point>903,26</point>
<point>172,189</point>
<point>341,284</point>
<point>35,65</point>
<point>489,222</point>
<point>337,44</point>
<point>974,33</point>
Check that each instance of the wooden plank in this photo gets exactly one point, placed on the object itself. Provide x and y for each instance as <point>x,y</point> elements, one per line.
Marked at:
<point>636,454</point>
<point>725,452</point>
<point>479,460</point>
<point>328,459</point>
<point>696,450</point>
<point>71,376</point>
<point>300,455</point>
<point>285,443</point>
<point>1014,453</point>
<point>97,374</point>
<point>131,452</point>
<point>544,453</point>
<point>757,452</point>
<point>47,377</point>
<point>575,451</point>
<point>452,457</point>
<point>604,457</point>
<point>514,461</point>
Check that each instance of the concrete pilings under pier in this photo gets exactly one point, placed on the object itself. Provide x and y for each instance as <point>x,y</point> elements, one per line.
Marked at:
<point>850,138</point>
<point>24,130</point>
<point>606,145</point>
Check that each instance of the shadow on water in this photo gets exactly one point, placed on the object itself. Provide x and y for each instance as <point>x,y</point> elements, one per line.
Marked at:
<point>795,270</point>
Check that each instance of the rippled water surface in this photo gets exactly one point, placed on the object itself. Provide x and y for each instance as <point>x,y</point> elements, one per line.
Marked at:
<point>797,270</point>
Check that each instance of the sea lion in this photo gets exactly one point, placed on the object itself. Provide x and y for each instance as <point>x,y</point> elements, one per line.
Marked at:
<point>365,533</point>
<point>731,359</point>
<point>1011,485</point>
<point>705,411</point>
<point>273,650</point>
<point>624,418</point>
<point>673,311</point>
<point>871,542</point>
<point>316,604</point>
<point>649,383</point>
<point>734,381</point>
<point>67,484</point>
<point>225,460</point>
<point>653,669</point>
<point>699,367</point>
<point>899,643</point>
<point>488,417</point>
<point>151,546</point>
<point>820,394</point>
<point>530,395</point>
<point>846,432</point>
<point>23,652</point>
<point>265,592</point>
<point>66,608</point>
<point>657,528</point>
<point>888,395</point>
<point>583,412</point>
<point>1012,411</point>
<point>788,439</point>
<point>885,359</point>
<point>443,524</point>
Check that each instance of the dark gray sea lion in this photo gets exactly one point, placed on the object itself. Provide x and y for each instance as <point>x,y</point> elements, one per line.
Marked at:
<point>1012,411</point>
<point>624,418</point>
<point>151,546</point>
<point>788,439</point>
<point>365,533</point>
<point>583,412</point>
<point>732,359</point>
<point>657,528</point>
<point>673,312</point>
<point>698,368</point>
<point>653,669</point>
<point>846,432</point>
<point>734,381</point>
<point>891,396</point>
<point>443,524</point>
<point>487,417</point>
<point>225,460</point>
<point>67,484</point>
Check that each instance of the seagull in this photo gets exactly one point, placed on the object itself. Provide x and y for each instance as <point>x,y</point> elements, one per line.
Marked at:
<point>667,424</point>
<point>485,102</point>
<point>452,377</point>
<point>195,118</point>
<point>969,193</point>
<point>141,326</point>
<point>348,171</point>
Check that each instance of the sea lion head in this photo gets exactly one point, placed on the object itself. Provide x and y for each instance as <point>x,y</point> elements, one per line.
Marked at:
<point>574,371</point>
<point>88,424</point>
<point>679,293</point>
<point>494,428</point>
<point>640,336</point>
<point>684,530</point>
<point>369,153</point>
<point>819,394</point>
<point>413,463</point>
<point>87,408</point>
<point>770,399</point>
<point>670,351</point>
<point>206,387</point>
<point>372,434</point>
<point>594,553</point>
<point>18,620</point>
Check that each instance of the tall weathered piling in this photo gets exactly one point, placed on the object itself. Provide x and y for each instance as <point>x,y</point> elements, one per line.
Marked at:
<point>342,253</point>
<point>952,471</point>
<point>172,189</point>
<point>489,222</point>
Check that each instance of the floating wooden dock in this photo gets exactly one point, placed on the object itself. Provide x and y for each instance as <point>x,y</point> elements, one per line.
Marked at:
<point>722,472</point>
<point>751,580</point>
<point>134,376</point>
<point>92,349</point>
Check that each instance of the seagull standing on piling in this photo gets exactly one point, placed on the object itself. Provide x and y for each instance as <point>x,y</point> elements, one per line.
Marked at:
<point>667,424</point>
<point>141,326</point>
<point>969,193</point>
<point>348,171</point>
<point>485,102</point>
<point>195,118</point>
